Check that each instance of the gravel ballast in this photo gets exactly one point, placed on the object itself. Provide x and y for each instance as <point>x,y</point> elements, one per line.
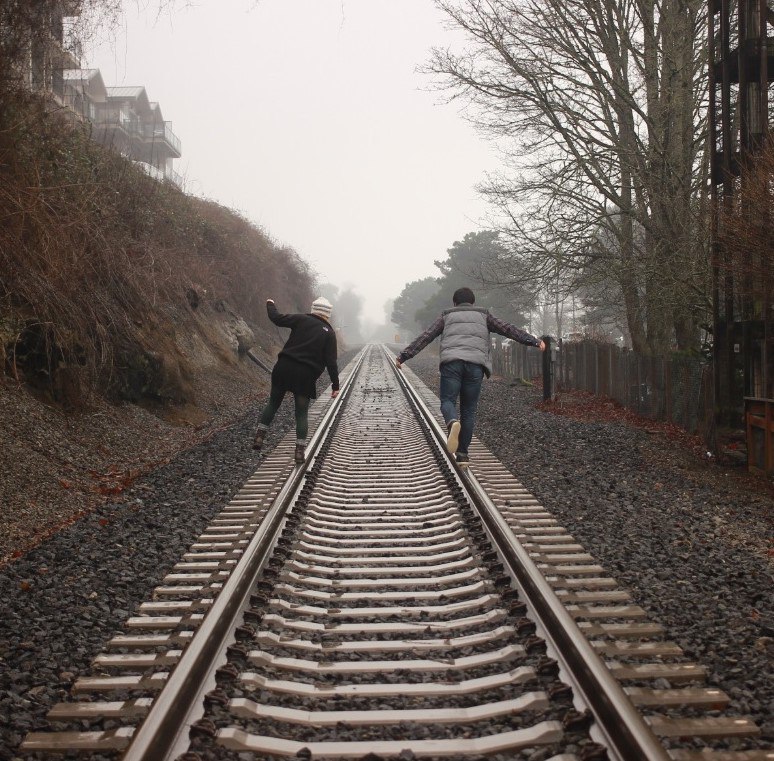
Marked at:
<point>688,541</point>
<point>691,541</point>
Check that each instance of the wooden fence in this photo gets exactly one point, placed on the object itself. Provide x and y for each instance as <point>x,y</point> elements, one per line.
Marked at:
<point>674,389</point>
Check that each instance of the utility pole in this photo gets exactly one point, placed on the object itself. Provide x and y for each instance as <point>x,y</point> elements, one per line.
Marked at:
<point>739,116</point>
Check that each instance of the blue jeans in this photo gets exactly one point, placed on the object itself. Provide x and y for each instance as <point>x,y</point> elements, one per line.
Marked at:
<point>461,379</point>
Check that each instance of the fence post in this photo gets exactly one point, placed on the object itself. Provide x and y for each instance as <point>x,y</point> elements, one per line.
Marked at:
<point>548,371</point>
<point>512,360</point>
<point>611,385</point>
<point>576,366</point>
<point>596,368</point>
<point>627,386</point>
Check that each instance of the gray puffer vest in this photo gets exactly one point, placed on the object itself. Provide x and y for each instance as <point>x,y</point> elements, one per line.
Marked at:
<point>466,336</point>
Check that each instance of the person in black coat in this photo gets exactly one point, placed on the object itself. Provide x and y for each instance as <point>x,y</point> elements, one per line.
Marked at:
<point>310,348</point>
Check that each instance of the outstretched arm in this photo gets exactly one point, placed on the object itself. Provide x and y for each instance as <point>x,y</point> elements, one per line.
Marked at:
<point>503,328</point>
<point>283,320</point>
<point>420,342</point>
<point>331,363</point>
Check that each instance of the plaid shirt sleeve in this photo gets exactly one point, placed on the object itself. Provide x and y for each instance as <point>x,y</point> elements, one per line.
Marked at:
<point>510,331</point>
<point>421,341</point>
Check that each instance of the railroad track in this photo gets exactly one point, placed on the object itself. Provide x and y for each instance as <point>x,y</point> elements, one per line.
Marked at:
<point>377,602</point>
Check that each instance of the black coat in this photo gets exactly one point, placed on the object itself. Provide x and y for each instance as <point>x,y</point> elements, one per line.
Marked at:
<point>312,342</point>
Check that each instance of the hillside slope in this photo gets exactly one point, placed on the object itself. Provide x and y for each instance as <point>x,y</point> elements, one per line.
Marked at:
<point>127,309</point>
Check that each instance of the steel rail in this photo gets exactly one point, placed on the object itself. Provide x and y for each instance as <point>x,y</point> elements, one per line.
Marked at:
<point>624,731</point>
<point>161,735</point>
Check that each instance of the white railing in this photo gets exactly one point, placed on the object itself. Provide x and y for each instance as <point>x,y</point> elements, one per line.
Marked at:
<point>175,177</point>
<point>150,170</point>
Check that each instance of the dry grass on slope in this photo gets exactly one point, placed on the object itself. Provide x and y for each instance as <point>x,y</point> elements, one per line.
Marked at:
<point>106,274</point>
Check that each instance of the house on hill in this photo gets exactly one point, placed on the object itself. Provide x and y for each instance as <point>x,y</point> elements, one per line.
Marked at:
<point>125,120</point>
<point>121,118</point>
<point>43,43</point>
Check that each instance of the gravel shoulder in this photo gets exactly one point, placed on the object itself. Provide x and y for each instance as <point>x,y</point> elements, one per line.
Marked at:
<point>58,466</point>
<point>691,541</point>
<point>64,592</point>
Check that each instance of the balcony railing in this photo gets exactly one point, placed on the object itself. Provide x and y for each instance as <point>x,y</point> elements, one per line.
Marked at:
<point>160,174</point>
<point>136,128</point>
<point>150,170</point>
<point>130,126</point>
<point>163,132</point>
<point>174,176</point>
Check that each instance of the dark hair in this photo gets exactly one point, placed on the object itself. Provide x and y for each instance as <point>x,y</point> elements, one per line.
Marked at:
<point>463,296</point>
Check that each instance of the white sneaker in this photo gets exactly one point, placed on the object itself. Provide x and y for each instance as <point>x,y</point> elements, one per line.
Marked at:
<point>454,436</point>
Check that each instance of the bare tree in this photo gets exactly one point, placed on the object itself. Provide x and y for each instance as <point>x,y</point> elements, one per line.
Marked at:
<point>599,103</point>
<point>746,236</point>
<point>38,38</point>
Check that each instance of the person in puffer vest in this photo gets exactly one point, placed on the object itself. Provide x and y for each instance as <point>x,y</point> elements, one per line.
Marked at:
<point>465,360</point>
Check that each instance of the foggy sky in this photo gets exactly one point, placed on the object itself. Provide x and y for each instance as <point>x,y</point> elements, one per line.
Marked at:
<point>309,118</point>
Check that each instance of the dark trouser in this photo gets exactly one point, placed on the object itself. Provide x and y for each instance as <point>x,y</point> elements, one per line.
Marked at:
<point>302,412</point>
<point>461,379</point>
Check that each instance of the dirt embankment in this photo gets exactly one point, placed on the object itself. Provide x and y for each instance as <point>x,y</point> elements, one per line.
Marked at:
<point>127,310</point>
<point>58,464</point>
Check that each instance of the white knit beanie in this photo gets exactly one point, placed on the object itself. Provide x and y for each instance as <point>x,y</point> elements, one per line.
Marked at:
<point>322,307</point>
